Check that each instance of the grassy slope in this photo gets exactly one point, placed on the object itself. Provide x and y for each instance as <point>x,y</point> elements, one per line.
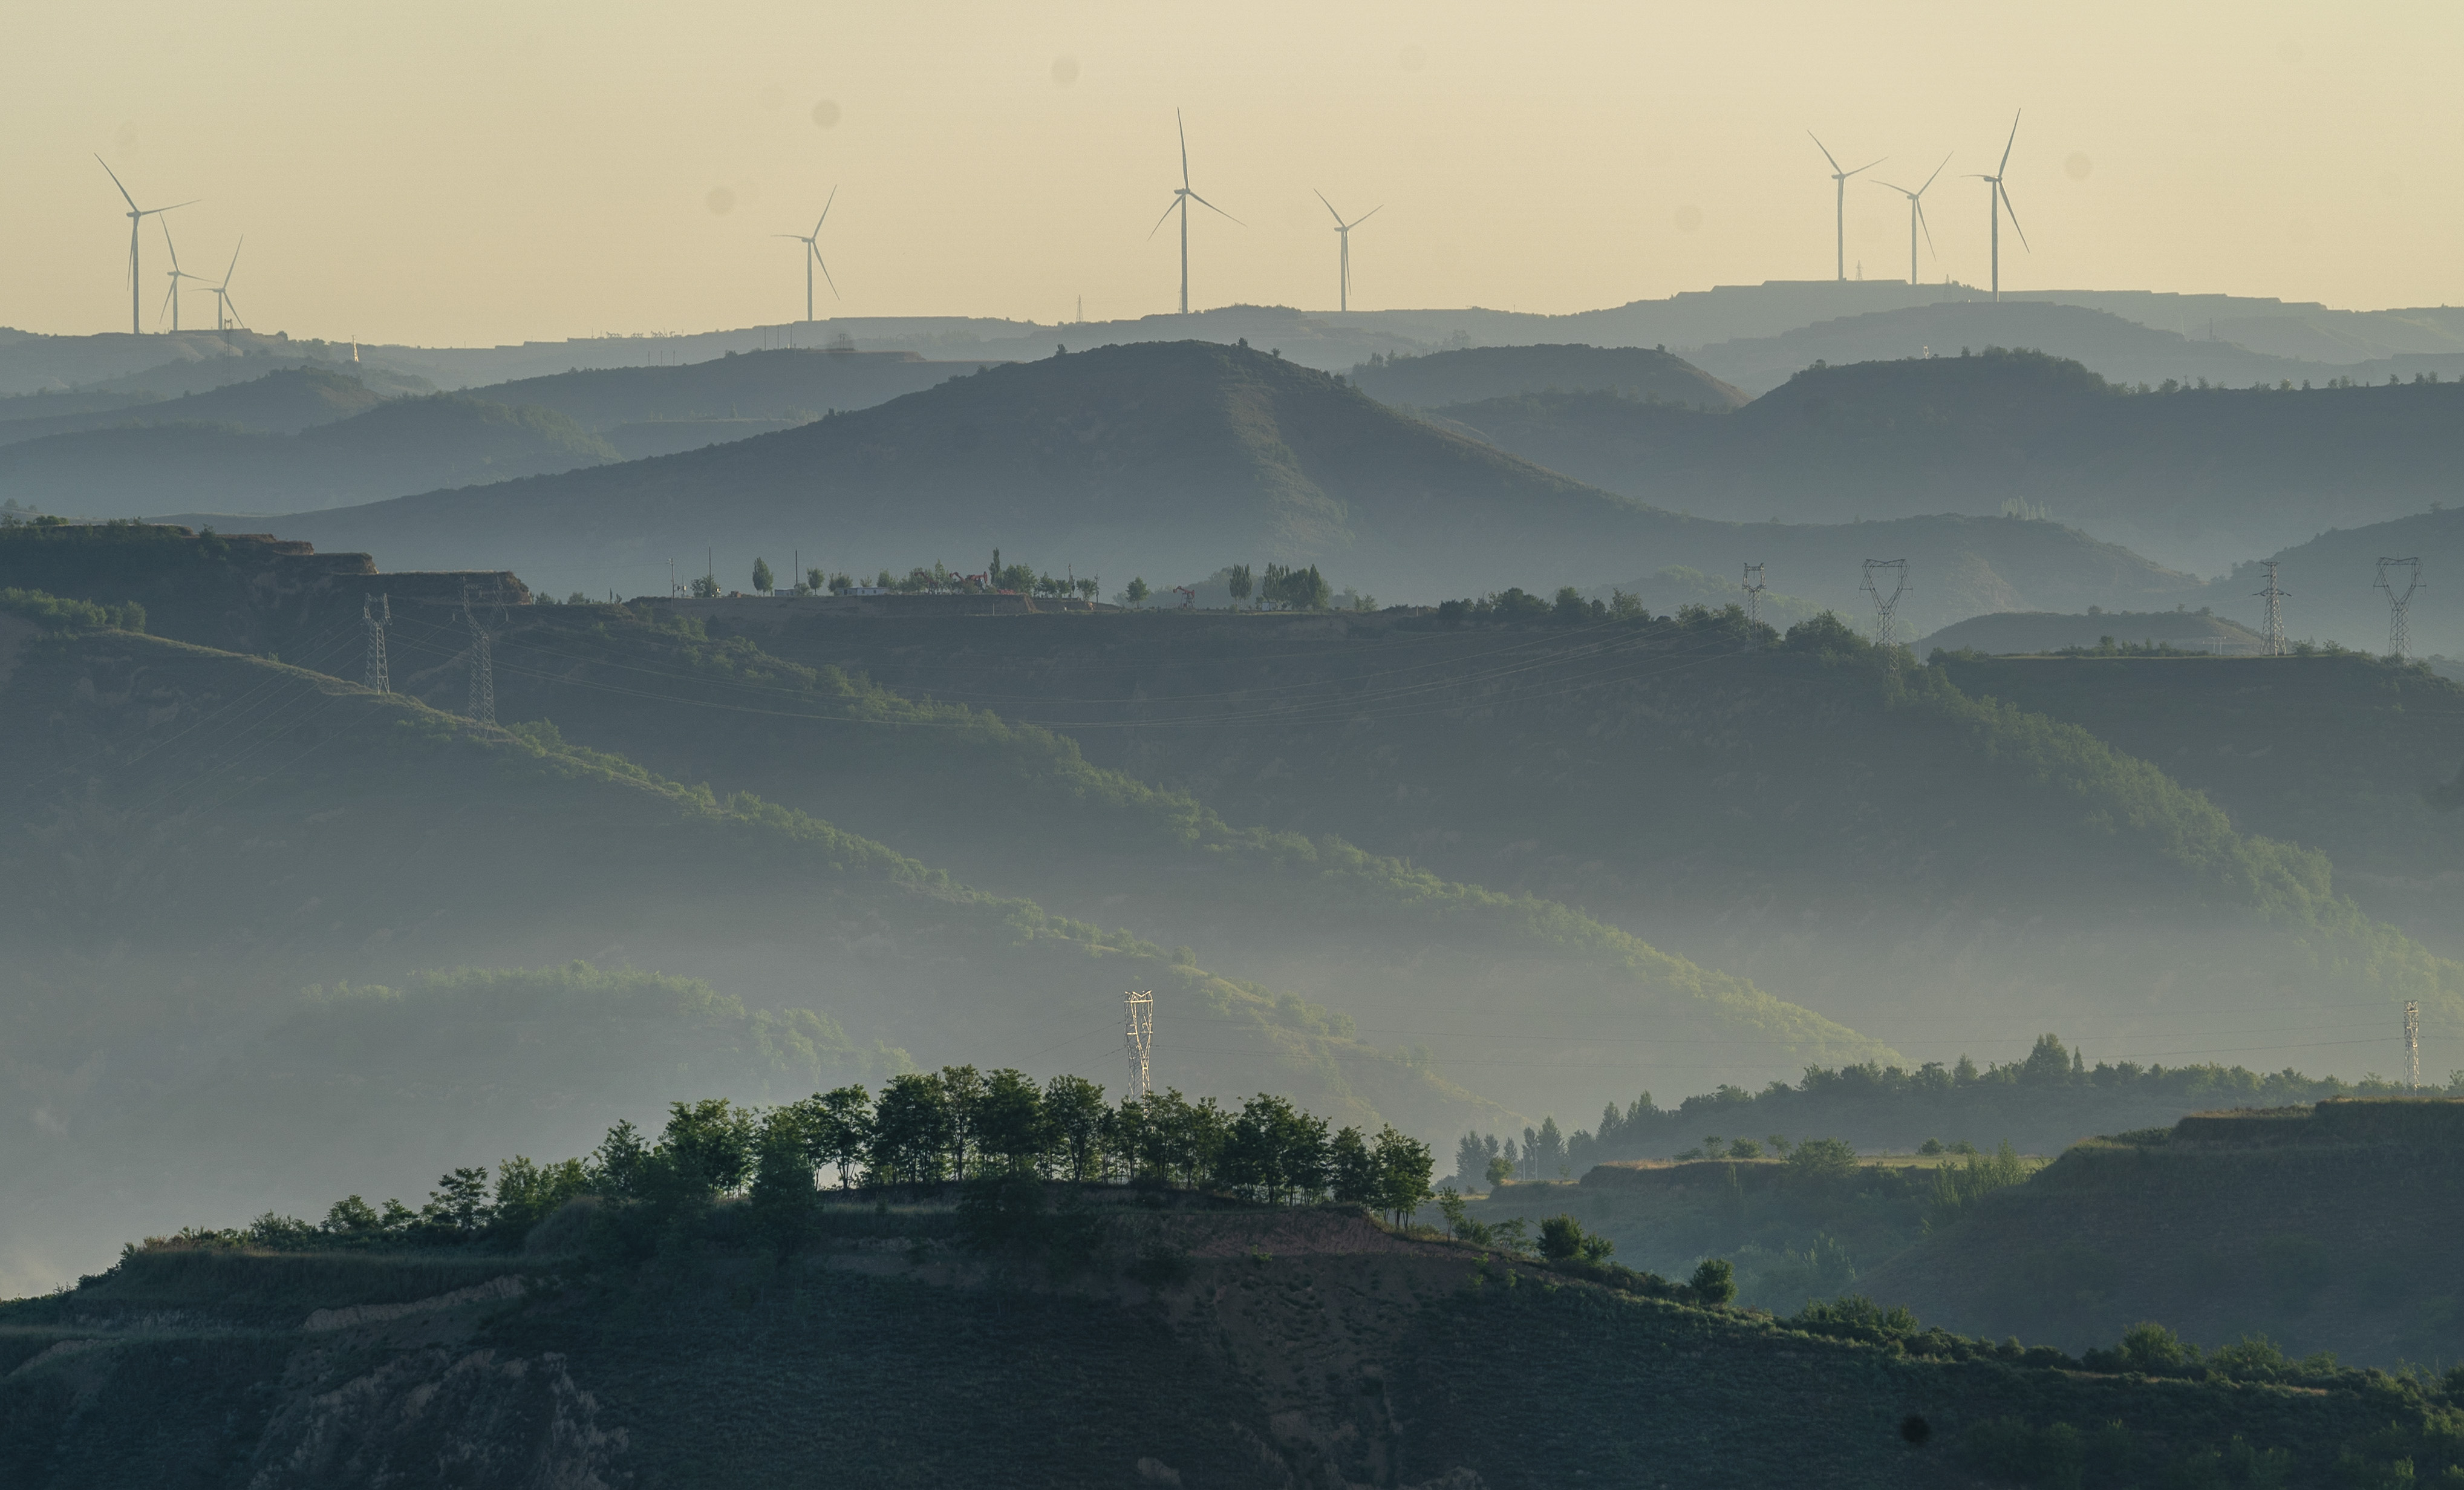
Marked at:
<point>1297,1347</point>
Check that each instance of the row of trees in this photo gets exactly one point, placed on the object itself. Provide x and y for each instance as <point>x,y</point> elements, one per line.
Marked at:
<point>954,1125</point>
<point>938,580</point>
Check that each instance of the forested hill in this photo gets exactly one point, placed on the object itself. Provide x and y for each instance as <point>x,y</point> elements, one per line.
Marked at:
<point>1170,460</point>
<point>1473,373</point>
<point>281,402</point>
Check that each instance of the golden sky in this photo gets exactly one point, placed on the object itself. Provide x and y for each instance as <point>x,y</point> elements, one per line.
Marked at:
<point>454,172</point>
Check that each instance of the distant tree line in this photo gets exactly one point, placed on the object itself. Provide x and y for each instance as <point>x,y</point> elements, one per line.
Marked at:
<point>52,611</point>
<point>1890,1105</point>
<point>923,1128</point>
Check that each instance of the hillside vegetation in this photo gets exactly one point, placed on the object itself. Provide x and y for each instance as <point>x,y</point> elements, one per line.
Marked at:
<point>282,402</point>
<point>402,444</point>
<point>1473,373</point>
<point>1171,460</point>
<point>1262,1347</point>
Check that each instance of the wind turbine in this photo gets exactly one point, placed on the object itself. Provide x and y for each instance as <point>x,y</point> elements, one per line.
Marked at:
<point>177,274</point>
<point>137,216</point>
<point>813,255</point>
<point>1916,216</point>
<point>1997,201</point>
<point>1343,230</point>
<point>1840,179</point>
<point>1181,197</point>
<point>225,316</point>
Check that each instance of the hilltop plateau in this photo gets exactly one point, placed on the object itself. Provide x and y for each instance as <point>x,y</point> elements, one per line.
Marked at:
<point>2325,1228</point>
<point>1172,460</point>
<point>2197,477</point>
<point>2016,632</point>
<point>1259,1346</point>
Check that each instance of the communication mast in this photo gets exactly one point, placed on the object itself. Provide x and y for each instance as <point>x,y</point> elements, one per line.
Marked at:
<point>2275,598</point>
<point>1754,588</point>
<point>1141,1041</point>
<point>2399,602</point>
<point>376,613</point>
<point>2413,1043</point>
<point>1884,605</point>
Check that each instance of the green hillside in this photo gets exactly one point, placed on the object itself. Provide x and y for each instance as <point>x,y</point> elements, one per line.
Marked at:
<point>2007,632</point>
<point>1170,460</point>
<point>794,386</point>
<point>2336,753</point>
<point>1479,372</point>
<point>1200,1347</point>
<point>2324,1229</point>
<point>281,402</point>
<point>1917,861</point>
<point>399,445</point>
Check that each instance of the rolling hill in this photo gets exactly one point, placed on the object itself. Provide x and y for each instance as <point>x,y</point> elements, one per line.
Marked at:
<point>282,402</point>
<point>1475,373</point>
<point>798,385</point>
<point>2022,631</point>
<point>1171,460</point>
<point>2332,579</point>
<point>2199,477</point>
<point>146,470</point>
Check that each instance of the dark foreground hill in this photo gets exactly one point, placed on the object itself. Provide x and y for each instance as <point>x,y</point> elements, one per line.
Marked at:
<point>2199,477</point>
<point>1474,373</point>
<point>1193,1347</point>
<point>2326,1228</point>
<point>402,444</point>
<point>1170,460</point>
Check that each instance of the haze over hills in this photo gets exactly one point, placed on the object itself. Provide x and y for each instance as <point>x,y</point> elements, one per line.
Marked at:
<point>282,402</point>
<point>1460,377</point>
<point>2197,478</point>
<point>2333,577</point>
<point>1171,461</point>
<point>128,469</point>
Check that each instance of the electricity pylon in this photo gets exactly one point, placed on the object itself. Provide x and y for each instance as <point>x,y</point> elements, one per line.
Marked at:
<point>1886,607</point>
<point>483,672</point>
<point>376,613</point>
<point>1754,588</point>
<point>2413,1043</point>
<point>2274,596</point>
<point>1141,1042</point>
<point>2399,602</point>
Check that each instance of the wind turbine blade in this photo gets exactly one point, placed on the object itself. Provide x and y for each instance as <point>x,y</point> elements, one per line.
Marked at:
<point>165,226</point>
<point>2006,148</point>
<point>165,309</point>
<point>1165,218</point>
<point>1181,124</point>
<point>1825,150</point>
<point>1365,216</point>
<point>115,181</point>
<point>2005,193</point>
<point>1937,170</point>
<point>233,311</point>
<point>1922,223</point>
<point>235,264</point>
<point>1869,166</point>
<point>825,212</point>
<point>1330,207</point>
<point>1212,208</point>
<point>176,205</point>
<point>1902,190</point>
<point>825,275</point>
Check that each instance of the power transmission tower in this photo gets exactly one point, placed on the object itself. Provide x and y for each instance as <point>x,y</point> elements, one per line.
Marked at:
<point>1886,607</point>
<point>2413,1043</point>
<point>376,613</point>
<point>1141,1041</point>
<point>483,672</point>
<point>2275,598</point>
<point>2399,603</point>
<point>1753,587</point>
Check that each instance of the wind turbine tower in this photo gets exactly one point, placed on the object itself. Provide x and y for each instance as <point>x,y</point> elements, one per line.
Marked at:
<point>137,216</point>
<point>812,242</point>
<point>1181,197</point>
<point>1997,201</point>
<point>1916,216</point>
<point>225,317</point>
<point>1840,181</point>
<point>1343,232</point>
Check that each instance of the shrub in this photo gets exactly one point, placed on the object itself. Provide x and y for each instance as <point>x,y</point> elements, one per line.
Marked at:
<point>1714,1283</point>
<point>1822,1158</point>
<point>1562,1236</point>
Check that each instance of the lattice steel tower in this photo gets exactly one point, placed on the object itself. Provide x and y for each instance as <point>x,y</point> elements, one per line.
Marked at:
<point>2274,596</point>
<point>1141,1041</point>
<point>1886,607</point>
<point>376,613</point>
<point>1754,588</point>
<point>2399,601</point>
<point>2413,1043</point>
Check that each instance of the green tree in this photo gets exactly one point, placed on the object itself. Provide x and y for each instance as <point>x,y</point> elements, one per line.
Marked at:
<point>1073,1108</point>
<point>1239,583</point>
<point>1500,1172</point>
<point>1822,1158</point>
<point>1137,593</point>
<point>761,576</point>
<point>618,1163</point>
<point>1714,1283</point>
<point>710,1145</point>
<point>1563,1237</point>
<point>784,1193</point>
<point>1009,1128</point>
<point>911,1131</point>
<point>1351,1170</point>
<point>1403,1166</point>
<point>816,581</point>
<point>457,1210</point>
<point>841,1129</point>
<point>528,1194</point>
<point>962,1096</point>
<point>1089,589</point>
<point>706,587</point>
<point>1275,1149</point>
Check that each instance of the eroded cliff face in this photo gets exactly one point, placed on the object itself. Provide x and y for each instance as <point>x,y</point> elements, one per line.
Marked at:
<point>436,1415</point>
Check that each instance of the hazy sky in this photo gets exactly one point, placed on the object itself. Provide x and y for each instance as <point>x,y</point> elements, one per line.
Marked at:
<point>454,172</point>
